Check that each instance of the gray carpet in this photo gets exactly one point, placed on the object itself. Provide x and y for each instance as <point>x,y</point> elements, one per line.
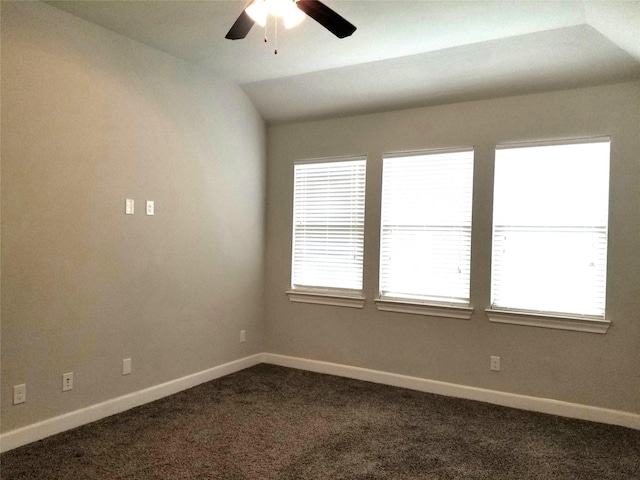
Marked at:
<point>270,422</point>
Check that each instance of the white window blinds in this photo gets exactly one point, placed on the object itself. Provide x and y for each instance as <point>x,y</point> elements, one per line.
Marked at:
<point>550,228</point>
<point>328,224</point>
<point>425,245</point>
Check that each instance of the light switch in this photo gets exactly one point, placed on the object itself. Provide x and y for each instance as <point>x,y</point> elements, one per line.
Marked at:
<point>126,366</point>
<point>129,206</point>
<point>150,207</point>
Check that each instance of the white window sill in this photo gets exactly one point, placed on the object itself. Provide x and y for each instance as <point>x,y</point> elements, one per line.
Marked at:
<point>326,298</point>
<point>421,308</point>
<point>559,322</point>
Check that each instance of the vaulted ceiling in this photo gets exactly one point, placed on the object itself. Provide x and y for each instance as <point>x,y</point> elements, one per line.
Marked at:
<point>403,53</point>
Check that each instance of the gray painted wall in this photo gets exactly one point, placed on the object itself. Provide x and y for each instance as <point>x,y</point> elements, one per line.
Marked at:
<point>90,118</point>
<point>585,368</point>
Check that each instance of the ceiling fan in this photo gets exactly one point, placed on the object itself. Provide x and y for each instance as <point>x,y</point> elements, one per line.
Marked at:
<point>292,12</point>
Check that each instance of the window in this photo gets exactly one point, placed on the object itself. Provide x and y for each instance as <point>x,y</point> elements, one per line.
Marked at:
<point>425,243</point>
<point>328,224</point>
<point>550,228</point>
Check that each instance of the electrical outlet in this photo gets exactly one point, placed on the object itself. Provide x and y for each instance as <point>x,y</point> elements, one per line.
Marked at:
<point>19,394</point>
<point>126,366</point>
<point>243,336</point>
<point>495,364</point>
<point>150,207</point>
<point>67,381</point>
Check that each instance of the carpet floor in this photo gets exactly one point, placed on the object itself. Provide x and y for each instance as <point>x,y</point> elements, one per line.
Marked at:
<point>270,422</point>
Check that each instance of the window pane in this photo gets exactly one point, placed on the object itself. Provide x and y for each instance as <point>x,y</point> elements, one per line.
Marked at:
<point>550,228</point>
<point>328,224</point>
<point>425,250</point>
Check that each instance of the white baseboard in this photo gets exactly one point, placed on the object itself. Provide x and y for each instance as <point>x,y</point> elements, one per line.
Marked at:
<point>38,431</point>
<point>522,402</point>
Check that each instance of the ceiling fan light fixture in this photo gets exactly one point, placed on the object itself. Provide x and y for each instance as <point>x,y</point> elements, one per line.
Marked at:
<point>292,13</point>
<point>259,10</point>
<point>293,16</point>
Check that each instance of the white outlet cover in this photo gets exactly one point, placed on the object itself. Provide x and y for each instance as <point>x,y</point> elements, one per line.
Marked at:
<point>67,381</point>
<point>150,207</point>
<point>495,364</point>
<point>19,394</point>
<point>129,206</point>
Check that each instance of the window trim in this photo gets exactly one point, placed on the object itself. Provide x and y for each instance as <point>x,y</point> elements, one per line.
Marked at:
<point>576,323</point>
<point>341,297</point>
<point>409,304</point>
<point>430,309</point>
<point>428,151</point>
<point>543,319</point>
<point>552,143</point>
<point>337,298</point>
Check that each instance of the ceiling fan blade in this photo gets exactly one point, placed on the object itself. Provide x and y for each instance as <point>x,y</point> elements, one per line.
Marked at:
<point>241,27</point>
<point>326,17</point>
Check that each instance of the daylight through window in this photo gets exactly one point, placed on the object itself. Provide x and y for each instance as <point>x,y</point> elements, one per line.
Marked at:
<point>550,228</point>
<point>425,245</point>
<point>328,224</point>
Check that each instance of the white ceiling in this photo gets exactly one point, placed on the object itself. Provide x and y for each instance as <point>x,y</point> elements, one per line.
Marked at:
<point>403,54</point>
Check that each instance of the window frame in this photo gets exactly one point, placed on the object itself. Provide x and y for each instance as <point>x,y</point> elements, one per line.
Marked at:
<point>327,295</point>
<point>541,318</point>
<point>413,304</point>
